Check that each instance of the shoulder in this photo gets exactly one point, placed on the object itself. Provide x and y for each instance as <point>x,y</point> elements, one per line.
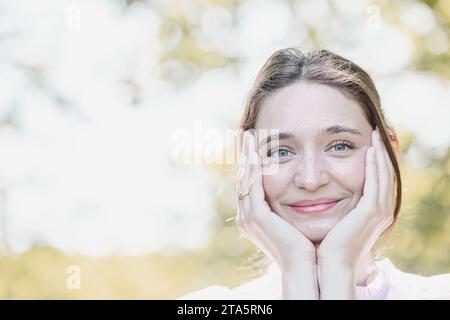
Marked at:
<point>264,287</point>
<point>214,292</point>
<point>405,285</point>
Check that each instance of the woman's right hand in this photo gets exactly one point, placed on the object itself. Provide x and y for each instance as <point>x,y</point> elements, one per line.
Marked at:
<point>277,238</point>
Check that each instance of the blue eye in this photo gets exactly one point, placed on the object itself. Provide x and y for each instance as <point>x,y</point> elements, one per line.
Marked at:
<point>338,146</point>
<point>281,152</point>
<point>342,144</point>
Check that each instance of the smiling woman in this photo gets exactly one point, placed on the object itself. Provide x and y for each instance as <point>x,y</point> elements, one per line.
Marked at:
<point>321,162</point>
<point>317,196</point>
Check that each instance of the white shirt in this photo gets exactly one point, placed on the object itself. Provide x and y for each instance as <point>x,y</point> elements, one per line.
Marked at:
<point>389,284</point>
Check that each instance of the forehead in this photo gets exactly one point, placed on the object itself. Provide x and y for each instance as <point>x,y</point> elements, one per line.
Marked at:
<point>309,107</point>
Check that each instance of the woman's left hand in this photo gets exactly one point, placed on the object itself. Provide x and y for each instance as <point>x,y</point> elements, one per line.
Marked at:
<point>358,231</point>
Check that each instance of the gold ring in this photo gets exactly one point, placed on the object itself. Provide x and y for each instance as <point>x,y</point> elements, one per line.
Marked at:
<point>243,195</point>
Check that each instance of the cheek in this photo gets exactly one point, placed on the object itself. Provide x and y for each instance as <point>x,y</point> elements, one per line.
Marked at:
<point>351,173</point>
<point>270,186</point>
<point>274,186</point>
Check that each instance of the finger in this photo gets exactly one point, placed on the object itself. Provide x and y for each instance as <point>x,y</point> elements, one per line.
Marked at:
<point>390,174</point>
<point>386,186</point>
<point>240,175</point>
<point>237,189</point>
<point>387,159</point>
<point>389,165</point>
<point>363,218</point>
<point>255,172</point>
<point>258,204</point>
<point>358,220</point>
<point>243,164</point>
<point>245,176</point>
<point>382,169</point>
<point>371,180</point>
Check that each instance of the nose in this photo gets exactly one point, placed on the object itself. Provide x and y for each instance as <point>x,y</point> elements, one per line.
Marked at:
<point>311,173</point>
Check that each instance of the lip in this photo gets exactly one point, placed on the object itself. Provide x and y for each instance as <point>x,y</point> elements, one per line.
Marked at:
<point>314,206</point>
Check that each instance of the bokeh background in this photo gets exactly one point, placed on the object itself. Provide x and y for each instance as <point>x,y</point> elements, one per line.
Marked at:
<point>97,196</point>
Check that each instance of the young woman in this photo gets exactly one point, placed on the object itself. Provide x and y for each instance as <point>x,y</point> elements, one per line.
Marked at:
<point>318,194</point>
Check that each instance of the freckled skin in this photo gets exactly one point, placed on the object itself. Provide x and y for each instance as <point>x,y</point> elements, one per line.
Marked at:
<point>313,168</point>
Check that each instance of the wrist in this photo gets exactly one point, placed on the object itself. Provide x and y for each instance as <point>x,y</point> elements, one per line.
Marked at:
<point>336,278</point>
<point>342,258</point>
<point>297,266</point>
<point>299,281</point>
<point>300,259</point>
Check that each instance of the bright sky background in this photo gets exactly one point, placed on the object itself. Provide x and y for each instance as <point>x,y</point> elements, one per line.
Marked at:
<point>94,176</point>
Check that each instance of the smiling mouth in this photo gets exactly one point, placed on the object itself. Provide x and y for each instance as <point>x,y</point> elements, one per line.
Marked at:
<point>314,209</point>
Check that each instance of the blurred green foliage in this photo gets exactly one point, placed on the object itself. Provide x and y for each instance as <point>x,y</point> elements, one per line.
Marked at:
<point>420,242</point>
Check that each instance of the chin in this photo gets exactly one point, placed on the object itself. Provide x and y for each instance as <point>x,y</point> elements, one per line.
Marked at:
<point>315,236</point>
<point>314,232</point>
<point>317,228</point>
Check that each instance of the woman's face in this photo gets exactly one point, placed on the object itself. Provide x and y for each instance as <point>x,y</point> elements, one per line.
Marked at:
<point>313,163</point>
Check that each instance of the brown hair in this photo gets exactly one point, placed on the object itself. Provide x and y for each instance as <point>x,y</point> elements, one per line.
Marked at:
<point>291,65</point>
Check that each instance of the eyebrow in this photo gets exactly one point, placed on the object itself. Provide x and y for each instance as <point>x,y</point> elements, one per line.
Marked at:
<point>329,130</point>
